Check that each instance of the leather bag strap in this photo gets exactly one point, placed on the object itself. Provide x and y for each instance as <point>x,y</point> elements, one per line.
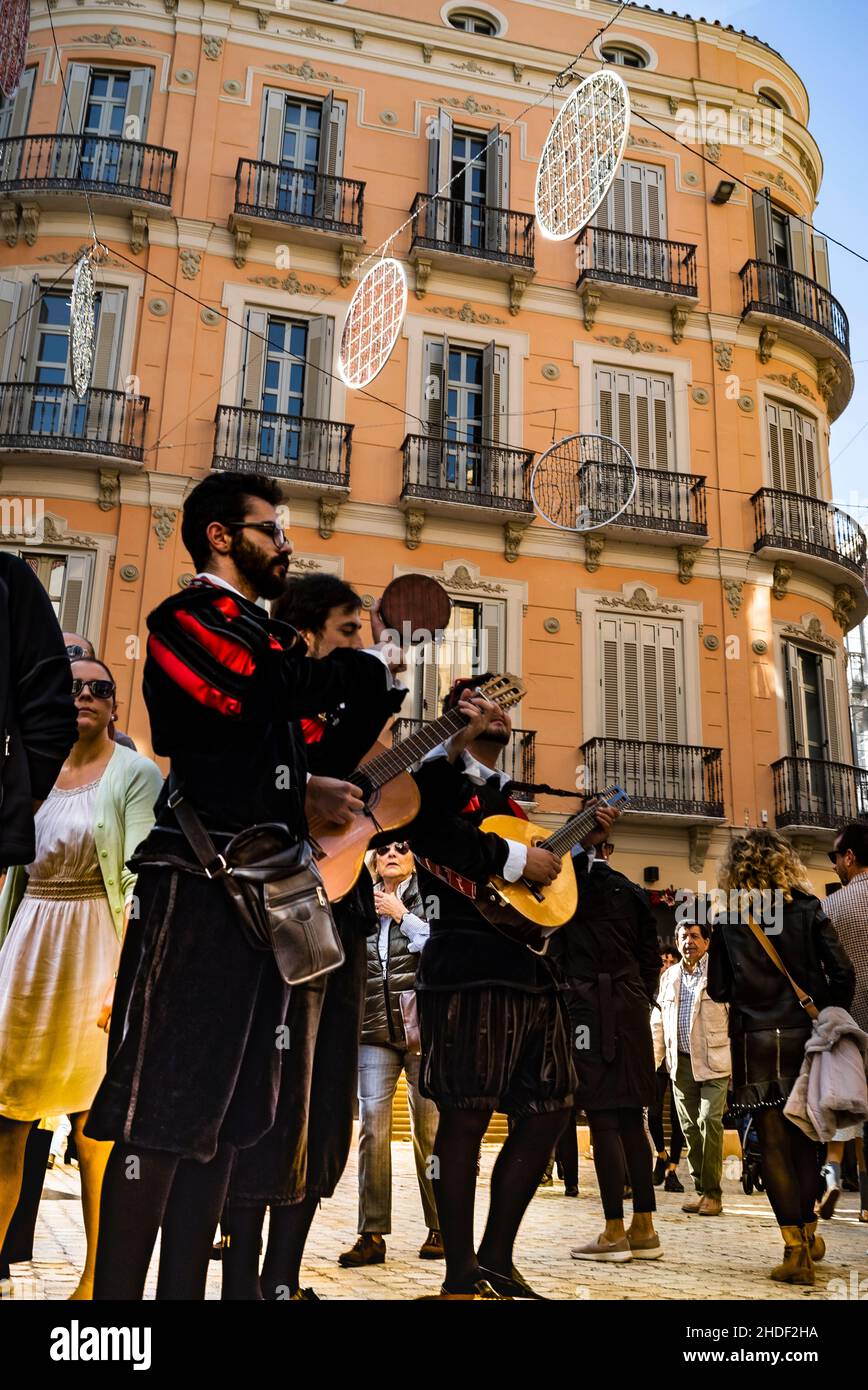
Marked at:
<point>804,999</point>
<point>200,841</point>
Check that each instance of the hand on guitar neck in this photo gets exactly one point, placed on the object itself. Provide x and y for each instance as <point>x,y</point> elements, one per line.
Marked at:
<point>606,817</point>
<point>479,713</point>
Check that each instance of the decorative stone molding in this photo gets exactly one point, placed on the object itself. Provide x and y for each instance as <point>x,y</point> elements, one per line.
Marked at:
<point>306,71</point>
<point>9,220</point>
<point>243,236</point>
<point>212,47</point>
<point>828,375</point>
<point>674,105</point>
<point>631,343</point>
<point>469,104</point>
<point>209,317</point>
<point>190,263</point>
<point>328,515</point>
<point>138,232</point>
<point>680,315</point>
<point>305,564</point>
<point>712,149</point>
<point>643,142</point>
<point>550,370</point>
<point>389,117</point>
<point>164,524</point>
<point>517,286</point>
<point>593,553</point>
<point>698,841</point>
<point>803,846</point>
<point>809,171</point>
<point>638,601</point>
<point>185,76</point>
<point>776,180</point>
<point>513,530</point>
<point>472,66</point>
<point>792,383</point>
<point>290,284</point>
<point>309,32</point>
<point>759,646</point>
<point>423,272</point>
<point>158,307</point>
<point>466,314</point>
<point>358,38</point>
<point>232,87</point>
<point>590,305</point>
<point>845,602</point>
<point>517,72</point>
<point>427,53</point>
<point>30,214</point>
<point>701,395</point>
<point>348,255</point>
<point>262,18</point>
<point>782,575</point>
<point>734,591</point>
<point>465,578</point>
<point>746,403</point>
<point>723,356</point>
<point>551,625</point>
<point>170,6</point>
<point>113,39</point>
<point>109,489</point>
<point>70,257</point>
<point>413,522</point>
<point>129,573</point>
<point>711,642</point>
<point>810,630</point>
<point>767,339</point>
<point>687,555</point>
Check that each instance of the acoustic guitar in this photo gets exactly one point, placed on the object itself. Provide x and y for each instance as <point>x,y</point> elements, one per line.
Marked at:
<point>521,910</point>
<point>391,796</point>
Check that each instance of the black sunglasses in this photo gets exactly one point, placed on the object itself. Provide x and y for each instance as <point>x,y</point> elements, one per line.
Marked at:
<point>399,846</point>
<point>268,528</point>
<point>835,854</point>
<point>75,653</point>
<point>100,690</point>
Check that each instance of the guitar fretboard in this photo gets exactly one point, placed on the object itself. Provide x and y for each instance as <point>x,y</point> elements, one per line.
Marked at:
<point>410,750</point>
<point>575,830</point>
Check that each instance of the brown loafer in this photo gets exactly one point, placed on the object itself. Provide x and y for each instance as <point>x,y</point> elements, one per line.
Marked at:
<point>710,1206</point>
<point>368,1250</point>
<point>693,1205</point>
<point>432,1249</point>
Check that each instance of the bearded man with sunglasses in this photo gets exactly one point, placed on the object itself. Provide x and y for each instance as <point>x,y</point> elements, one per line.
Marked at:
<point>194,1069</point>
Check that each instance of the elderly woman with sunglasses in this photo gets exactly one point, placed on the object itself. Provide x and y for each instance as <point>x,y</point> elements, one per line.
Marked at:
<point>61,923</point>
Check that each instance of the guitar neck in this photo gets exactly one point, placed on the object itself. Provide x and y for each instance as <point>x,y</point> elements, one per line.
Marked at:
<point>570,834</point>
<point>410,750</point>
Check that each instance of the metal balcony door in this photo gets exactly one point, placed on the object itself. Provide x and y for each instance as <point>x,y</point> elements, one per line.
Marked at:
<point>104,115</point>
<point>815,729</point>
<point>53,408</point>
<point>464,419</point>
<point>642,703</point>
<point>291,137</point>
<point>468,190</point>
<point>283,386</point>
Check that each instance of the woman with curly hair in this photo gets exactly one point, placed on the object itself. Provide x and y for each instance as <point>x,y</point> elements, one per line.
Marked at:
<point>768,1028</point>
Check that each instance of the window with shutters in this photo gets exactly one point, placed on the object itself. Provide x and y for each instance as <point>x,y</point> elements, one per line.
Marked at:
<point>464,405</point>
<point>814,710</point>
<point>15,112</point>
<point>285,387</point>
<point>473,644</point>
<point>305,139</point>
<point>108,108</point>
<point>635,409</point>
<point>67,579</point>
<point>791,441</point>
<point>40,355</point>
<point>641,685</point>
<point>468,171</point>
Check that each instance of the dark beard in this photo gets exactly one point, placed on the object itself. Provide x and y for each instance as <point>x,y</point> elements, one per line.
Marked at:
<point>266,574</point>
<point>500,738</point>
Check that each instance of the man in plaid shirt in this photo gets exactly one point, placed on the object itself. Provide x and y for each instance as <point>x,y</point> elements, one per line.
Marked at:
<point>848,911</point>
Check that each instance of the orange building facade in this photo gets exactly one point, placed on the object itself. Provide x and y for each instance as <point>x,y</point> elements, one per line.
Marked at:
<point>241,162</point>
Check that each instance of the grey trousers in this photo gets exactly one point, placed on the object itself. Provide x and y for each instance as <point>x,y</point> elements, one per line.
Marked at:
<point>379,1070</point>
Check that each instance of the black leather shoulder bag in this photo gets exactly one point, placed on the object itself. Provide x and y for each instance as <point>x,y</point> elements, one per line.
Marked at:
<point>276,890</point>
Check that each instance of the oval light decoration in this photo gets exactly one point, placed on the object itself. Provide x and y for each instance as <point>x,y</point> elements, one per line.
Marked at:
<point>14,33</point>
<point>373,323</point>
<point>580,158</point>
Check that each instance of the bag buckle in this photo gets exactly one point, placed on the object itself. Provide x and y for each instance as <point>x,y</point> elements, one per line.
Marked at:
<point>217,866</point>
<point>807,1002</point>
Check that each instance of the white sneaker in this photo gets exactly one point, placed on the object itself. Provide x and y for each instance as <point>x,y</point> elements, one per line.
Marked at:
<point>829,1200</point>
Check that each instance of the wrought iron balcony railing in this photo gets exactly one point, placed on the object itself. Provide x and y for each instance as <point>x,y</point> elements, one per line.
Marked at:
<point>479,475</point>
<point>810,791</point>
<point>645,262</point>
<point>282,194</point>
<point>791,521</point>
<point>774,289</point>
<point>663,501</point>
<point>472,229</point>
<point>284,446</point>
<point>680,779</point>
<point>35,415</point>
<point>94,163</point>
<point>518,759</point>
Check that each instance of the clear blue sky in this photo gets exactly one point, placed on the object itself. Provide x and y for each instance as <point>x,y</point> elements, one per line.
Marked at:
<point>827,44</point>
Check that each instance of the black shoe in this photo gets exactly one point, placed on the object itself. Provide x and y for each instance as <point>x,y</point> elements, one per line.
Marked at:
<point>511,1286</point>
<point>660,1170</point>
<point>671,1183</point>
<point>304,1296</point>
<point>571,1192</point>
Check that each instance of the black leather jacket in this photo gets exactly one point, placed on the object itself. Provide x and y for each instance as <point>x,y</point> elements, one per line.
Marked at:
<point>382,1021</point>
<point>742,975</point>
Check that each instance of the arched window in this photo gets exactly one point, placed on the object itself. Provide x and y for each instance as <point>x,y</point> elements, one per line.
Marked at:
<point>473,23</point>
<point>624,57</point>
<point>766,97</point>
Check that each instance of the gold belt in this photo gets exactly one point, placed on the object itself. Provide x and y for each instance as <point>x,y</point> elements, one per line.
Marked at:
<point>69,889</point>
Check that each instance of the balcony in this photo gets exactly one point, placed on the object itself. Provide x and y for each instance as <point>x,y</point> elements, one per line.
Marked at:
<point>68,167</point>
<point>645,268</point>
<point>482,479</point>
<point>664,504</point>
<point>312,454</point>
<point>785,302</point>
<point>518,759</point>
<point>51,419</point>
<point>828,541</point>
<point>813,794</point>
<point>678,782</point>
<point>448,232</point>
<point>316,205</point>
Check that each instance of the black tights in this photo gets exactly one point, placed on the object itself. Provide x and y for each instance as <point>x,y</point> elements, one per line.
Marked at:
<point>242,1237</point>
<point>288,1228</point>
<point>620,1147</point>
<point>655,1120</point>
<point>790,1167</point>
<point>519,1167</point>
<point>142,1190</point>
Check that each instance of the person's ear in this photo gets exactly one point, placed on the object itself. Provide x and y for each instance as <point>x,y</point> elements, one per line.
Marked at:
<point>219,539</point>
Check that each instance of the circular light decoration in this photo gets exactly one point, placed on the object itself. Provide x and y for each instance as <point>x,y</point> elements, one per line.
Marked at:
<point>82,323</point>
<point>373,323</point>
<point>583,482</point>
<point>14,33</point>
<point>580,158</point>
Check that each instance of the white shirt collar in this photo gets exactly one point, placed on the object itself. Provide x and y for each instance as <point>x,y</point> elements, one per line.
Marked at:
<point>223,583</point>
<point>474,770</point>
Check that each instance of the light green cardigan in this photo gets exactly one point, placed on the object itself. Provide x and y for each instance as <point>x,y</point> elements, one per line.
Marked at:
<point>123,816</point>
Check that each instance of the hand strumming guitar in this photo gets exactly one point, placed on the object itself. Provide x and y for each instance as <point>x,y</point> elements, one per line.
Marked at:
<point>542,866</point>
<point>335,801</point>
<point>606,817</point>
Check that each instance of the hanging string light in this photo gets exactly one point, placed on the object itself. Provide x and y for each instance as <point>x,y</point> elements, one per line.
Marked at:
<point>373,323</point>
<point>580,158</point>
<point>14,33</point>
<point>82,324</point>
<point>583,482</point>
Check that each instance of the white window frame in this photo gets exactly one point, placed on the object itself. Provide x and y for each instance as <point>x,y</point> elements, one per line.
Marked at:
<point>781,395</point>
<point>588,356</point>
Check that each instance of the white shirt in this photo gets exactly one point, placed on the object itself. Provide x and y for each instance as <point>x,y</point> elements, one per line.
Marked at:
<point>415,929</point>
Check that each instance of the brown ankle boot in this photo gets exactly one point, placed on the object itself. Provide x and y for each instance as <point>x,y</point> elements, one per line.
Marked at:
<point>816,1244</point>
<point>797,1266</point>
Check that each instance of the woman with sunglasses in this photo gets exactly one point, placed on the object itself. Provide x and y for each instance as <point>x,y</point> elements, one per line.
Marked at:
<point>65,916</point>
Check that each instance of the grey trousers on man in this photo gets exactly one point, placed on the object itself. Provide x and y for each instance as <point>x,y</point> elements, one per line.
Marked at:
<point>700,1106</point>
<point>379,1070</point>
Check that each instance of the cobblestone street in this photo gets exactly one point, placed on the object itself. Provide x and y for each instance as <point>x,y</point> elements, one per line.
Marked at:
<point>712,1258</point>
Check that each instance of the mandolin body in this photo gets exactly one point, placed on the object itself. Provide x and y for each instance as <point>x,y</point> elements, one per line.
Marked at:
<point>558,901</point>
<point>341,849</point>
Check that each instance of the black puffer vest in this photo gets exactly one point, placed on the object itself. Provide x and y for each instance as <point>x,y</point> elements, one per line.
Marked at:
<point>388,978</point>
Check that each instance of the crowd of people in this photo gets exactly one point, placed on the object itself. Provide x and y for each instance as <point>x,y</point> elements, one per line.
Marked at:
<point>137,999</point>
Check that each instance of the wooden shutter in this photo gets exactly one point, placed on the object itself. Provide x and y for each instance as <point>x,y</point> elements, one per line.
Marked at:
<point>669,648</point>
<point>789,457</point>
<point>834,723</point>
<point>72,610</point>
<point>762,226</point>
<point>272,125</point>
<point>821,261</point>
<point>21,104</point>
<point>316,443</point>
<point>773,429</point>
<point>10,300</point>
<point>74,105</point>
<point>609,683</point>
<point>497,192</point>
<point>491,657</point>
<point>254,362</point>
<point>807,430</point>
<point>796,700</point>
<point>440,154</point>
<point>635,409</point>
<point>333,127</point>
<point>106,356</point>
<point>641,684</point>
<point>655,201</point>
<point>495,410</point>
<point>604,390</point>
<point>434,359</point>
<point>138,101</point>
<point>430,682</point>
<point>800,247</point>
